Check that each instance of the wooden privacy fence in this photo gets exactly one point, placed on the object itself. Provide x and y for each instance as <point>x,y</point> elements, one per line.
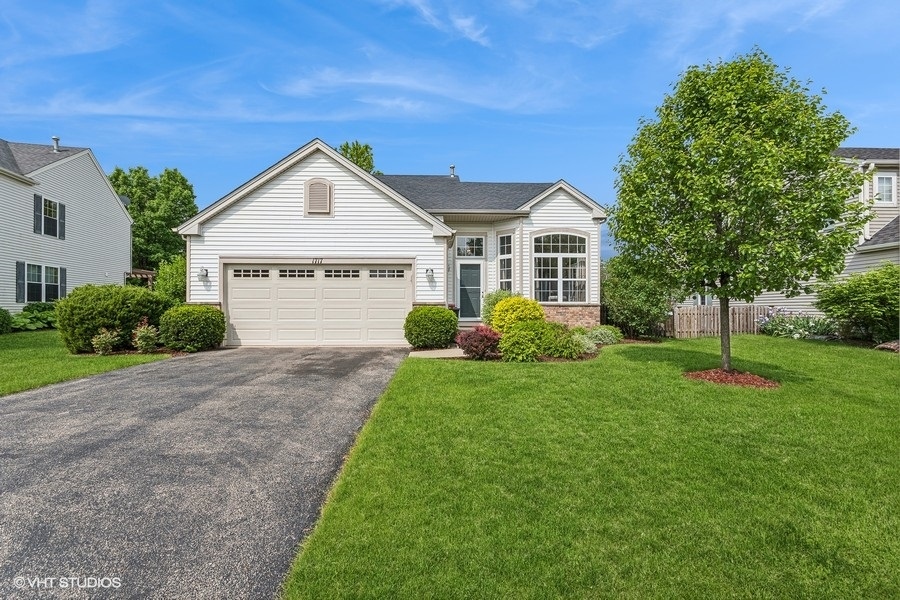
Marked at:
<point>703,321</point>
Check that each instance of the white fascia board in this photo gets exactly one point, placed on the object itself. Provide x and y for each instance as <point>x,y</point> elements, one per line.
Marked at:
<point>17,177</point>
<point>597,211</point>
<point>192,225</point>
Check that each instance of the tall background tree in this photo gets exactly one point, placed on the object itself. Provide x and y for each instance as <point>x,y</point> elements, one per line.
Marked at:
<point>360,154</point>
<point>158,203</point>
<point>733,188</point>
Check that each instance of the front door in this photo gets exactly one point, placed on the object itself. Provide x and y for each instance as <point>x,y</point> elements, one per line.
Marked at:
<point>470,290</point>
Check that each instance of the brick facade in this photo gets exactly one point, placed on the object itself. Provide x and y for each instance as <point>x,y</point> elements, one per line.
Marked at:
<point>573,316</point>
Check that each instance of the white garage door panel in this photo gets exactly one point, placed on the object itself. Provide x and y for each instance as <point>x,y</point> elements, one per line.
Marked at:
<point>296,335</point>
<point>287,293</point>
<point>296,314</point>
<point>246,293</point>
<point>299,305</point>
<point>386,293</point>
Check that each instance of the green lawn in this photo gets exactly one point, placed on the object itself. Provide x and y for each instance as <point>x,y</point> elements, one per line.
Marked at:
<point>31,359</point>
<point>620,478</point>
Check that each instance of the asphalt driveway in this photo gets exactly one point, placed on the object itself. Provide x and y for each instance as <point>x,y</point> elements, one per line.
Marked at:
<point>194,477</point>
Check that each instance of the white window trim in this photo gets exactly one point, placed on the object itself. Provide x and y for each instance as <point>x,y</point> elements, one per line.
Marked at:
<point>893,185</point>
<point>318,214</point>
<point>43,281</point>
<point>459,237</point>
<point>560,279</point>
<point>512,270</point>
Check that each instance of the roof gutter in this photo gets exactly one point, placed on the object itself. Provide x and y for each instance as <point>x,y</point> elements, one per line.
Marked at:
<point>17,177</point>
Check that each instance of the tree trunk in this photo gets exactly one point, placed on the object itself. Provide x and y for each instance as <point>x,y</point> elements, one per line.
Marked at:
<point>725,333</point>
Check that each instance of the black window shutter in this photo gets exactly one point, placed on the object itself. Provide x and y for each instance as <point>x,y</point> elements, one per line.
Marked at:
<point>62,282</point>
<point>38,213</point>
<point>20,281</point>
<point>61,230</point>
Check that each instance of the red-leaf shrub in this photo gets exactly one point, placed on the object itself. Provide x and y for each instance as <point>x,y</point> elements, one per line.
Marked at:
<point>479,343</point>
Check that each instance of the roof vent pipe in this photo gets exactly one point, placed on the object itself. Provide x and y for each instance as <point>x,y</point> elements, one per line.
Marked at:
<point>55,139</point>
<point>452,170</point>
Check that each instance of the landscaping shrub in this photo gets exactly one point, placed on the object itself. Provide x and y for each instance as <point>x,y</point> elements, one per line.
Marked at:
<point>585,344</point>
<point>781,323</point>
<point>171,279</point>
<point>635,303</point>
<point>430,327</point>
<point>866,305</point>
<point>31,321</point>
<point>605,335</point>
<point>525,341</point>
<point>515,309</point>
<point>5,321</point>
<point>521,342</point>
<point>481,343</point>
<point>145,337</point>
<point>39,307</point>
<point>105,341</point>
<point>89,308</point>
<point>192,327</point>
<point>490,301</point>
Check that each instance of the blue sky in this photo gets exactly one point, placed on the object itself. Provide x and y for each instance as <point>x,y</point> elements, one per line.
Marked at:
<point>508,90</point>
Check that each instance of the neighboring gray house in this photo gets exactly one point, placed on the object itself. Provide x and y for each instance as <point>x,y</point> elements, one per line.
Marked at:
<point>879,241</point>
<point>63,224</point>
<point>316,251</point>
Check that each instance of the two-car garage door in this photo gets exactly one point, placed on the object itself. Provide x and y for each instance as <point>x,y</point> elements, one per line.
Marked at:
<point>297,305</point>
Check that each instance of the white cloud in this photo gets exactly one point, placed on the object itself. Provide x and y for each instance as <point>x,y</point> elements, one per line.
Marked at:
<point>445,19</point>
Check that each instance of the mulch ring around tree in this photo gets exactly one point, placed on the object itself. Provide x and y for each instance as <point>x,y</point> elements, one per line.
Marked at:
<point>733,378</point>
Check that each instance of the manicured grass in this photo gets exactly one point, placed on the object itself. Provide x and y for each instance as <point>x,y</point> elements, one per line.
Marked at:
<point>620,478</point>
<point>31,359</point>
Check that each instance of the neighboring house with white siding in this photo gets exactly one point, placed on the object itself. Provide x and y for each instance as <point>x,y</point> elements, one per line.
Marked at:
<point>879,241</point>
<point>63,224</point>
<point>316,251</point>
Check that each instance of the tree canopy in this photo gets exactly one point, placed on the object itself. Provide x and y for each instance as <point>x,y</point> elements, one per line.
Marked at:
<point>733,189</point>
<point>158,203</point>
<point>360,154</point>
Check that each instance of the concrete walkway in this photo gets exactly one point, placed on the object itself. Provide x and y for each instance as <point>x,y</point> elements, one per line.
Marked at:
<point>453,352</point>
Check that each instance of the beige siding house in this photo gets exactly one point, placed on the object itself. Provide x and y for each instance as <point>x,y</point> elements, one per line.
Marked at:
<point>316,251</point>
<point>63,226</point>
<point>878,242</point>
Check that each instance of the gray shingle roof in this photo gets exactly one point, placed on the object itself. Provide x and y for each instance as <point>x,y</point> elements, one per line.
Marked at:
<point>445,193</point>
<point>27,158</point>
<point>889,234</point>
<point>7,160</point>
<point>869,153</point>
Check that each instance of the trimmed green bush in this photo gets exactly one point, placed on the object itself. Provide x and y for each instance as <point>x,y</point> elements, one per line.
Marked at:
<point>490,301</point>
<point>192,327</point>
<point>430,327</point>
<point>88,308</point>
<point>515,309</point>
<point>171,279</point>
<point>586,345</point>
<point>635,303</point>
<point>5,321</point>
<point>522,342</point>
<point>866,305</point>
<point>526,341</point>
<point>145,337</point>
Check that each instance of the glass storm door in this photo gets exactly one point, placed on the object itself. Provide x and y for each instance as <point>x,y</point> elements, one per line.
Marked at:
<point>470,290</point>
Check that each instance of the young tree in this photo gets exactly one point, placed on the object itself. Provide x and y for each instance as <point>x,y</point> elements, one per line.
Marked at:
<point>360,154</point>
<point>733,189</point>
<point>157,205</point>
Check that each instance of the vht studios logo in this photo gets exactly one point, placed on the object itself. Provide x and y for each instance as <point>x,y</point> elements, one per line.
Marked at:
<point>46,583</point>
